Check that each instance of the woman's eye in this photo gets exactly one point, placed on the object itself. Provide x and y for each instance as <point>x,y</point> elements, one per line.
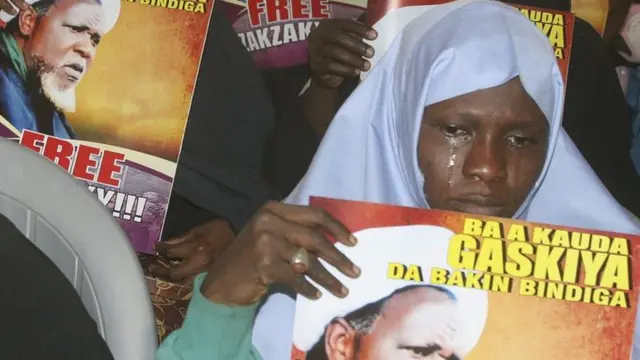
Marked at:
<point>453,131</point>
<point>518,141</point>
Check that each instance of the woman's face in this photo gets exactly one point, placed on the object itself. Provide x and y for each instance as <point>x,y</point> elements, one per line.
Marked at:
<point>482,152</point>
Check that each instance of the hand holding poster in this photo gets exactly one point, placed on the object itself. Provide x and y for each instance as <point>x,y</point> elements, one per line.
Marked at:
<point>459,286</point>
<point>113,118</point>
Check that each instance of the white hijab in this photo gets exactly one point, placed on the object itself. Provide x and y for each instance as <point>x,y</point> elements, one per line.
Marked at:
<point>369,151</point>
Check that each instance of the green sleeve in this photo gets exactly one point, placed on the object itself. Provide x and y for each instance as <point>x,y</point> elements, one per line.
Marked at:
<point>211,331</point>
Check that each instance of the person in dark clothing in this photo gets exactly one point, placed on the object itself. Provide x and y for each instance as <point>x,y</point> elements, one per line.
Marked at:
<point>293,142</point>
<point>596,116</point>
<point>220,167</point>
<point>250,138</point>
<point>231,136</point>
<point>43,317</point>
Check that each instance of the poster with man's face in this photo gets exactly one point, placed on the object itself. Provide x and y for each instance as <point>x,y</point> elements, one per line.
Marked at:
<point>103,88</point>
<point>438,285</point>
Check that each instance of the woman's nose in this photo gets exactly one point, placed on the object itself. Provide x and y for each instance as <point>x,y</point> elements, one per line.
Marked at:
<point>486,161</point>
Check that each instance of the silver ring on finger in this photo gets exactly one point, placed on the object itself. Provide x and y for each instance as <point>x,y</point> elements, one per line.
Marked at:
<point>301,257</point>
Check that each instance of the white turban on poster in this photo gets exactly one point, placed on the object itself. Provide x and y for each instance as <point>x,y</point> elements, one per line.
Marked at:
<point>111,13</point>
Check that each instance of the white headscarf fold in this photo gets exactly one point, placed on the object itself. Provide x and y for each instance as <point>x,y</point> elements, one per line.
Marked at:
<point>369,152</point>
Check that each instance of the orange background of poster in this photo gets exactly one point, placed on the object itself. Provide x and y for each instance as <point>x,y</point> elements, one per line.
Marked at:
<point>137,92</point>
<point>593,11</point>
<point>569,23</point>
<point>517,327</point>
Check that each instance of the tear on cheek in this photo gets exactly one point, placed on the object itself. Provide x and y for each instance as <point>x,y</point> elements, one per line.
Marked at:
<point>450,166</point>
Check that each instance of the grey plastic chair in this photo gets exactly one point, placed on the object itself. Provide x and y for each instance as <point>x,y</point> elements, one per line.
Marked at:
<point>80,236</point>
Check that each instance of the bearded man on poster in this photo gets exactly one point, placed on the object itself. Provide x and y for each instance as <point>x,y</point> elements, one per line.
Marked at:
<point>45,51</point>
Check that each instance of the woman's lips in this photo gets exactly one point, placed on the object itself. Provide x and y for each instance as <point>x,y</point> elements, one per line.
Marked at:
<point>478,204</point>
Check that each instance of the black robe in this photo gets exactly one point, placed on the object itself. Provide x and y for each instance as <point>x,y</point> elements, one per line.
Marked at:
<point>220,167</point>
<point>42,315</point>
